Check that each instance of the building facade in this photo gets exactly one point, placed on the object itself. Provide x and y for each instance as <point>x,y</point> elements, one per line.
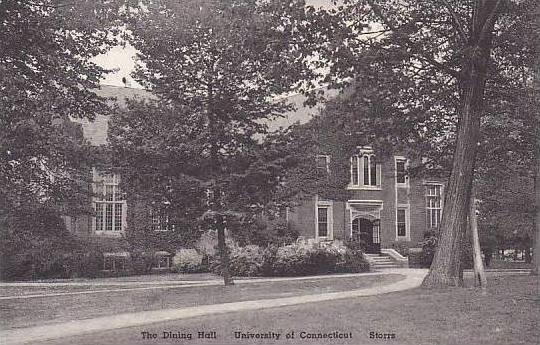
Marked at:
<point>385,207</point>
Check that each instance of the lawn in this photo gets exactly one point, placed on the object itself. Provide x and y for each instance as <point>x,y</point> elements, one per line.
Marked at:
<point>48,310</point>
<point>503,264</point>
<point>508,314</point>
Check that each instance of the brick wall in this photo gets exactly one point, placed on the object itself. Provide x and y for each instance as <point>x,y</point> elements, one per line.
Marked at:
<point>302,218</point>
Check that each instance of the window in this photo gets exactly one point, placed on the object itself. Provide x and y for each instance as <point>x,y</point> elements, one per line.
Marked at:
<point>433,205</point>
<point>354,171</point>
<point>370,171</point>
<point>163,260</point>
<point>324,220</point>
<point>322,163</point>
<point>401,171</point>
<point>365,171</point>
<point>401,222</point>
<point>115,261</point>
<point>161,221</point>
<point>109,203</point>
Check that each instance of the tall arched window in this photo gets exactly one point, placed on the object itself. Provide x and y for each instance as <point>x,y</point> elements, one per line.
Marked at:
<point>365,170</point>
<point>370,171</point>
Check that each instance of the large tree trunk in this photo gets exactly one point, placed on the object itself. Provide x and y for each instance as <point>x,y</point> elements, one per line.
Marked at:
<point>446,268</point>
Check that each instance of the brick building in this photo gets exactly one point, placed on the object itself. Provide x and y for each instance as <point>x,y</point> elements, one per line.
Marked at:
<point>119,213</point>
<point>385,207</point>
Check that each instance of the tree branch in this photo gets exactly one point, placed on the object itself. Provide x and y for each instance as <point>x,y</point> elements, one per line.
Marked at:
<point>378,12</point>
<point>458,25</point>
<point>489,22</point>
<point>49,6</point>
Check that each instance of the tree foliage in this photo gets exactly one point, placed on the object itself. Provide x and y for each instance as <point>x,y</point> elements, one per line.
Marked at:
<point>432,73</point>
<point>216,73</point>
<point>46,77</point>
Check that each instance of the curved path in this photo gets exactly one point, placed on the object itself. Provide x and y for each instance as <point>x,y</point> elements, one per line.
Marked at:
<point>412,278</point>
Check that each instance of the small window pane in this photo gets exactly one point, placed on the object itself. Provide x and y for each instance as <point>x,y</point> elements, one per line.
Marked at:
<point>323,221</point>
<point>109,192</point>
<point>373,174</point>
<point>366,170</point>
<point>322,163</point>
<point>99,216</point>
<point>108,217</point>
<point>401,222</point>
<point>354,171</point>
<point>400,172</point>
<point>118,217</point>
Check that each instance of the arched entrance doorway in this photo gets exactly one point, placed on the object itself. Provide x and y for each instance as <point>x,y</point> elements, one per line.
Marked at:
<point>367,231</point>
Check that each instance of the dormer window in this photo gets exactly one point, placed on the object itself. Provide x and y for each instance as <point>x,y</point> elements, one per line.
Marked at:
<point>322,164</point>
<point>365,170</point>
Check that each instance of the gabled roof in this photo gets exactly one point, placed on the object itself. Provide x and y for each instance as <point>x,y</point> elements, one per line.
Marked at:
<point>96,131</point>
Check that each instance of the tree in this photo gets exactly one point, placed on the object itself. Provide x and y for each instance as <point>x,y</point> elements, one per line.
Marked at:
<point>215,72</point>
<point>435,65</point>
<point>46,77</point>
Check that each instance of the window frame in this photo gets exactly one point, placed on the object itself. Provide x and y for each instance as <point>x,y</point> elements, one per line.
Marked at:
<point>114,259</point>
<point>405,161</point>
<point>109,204</point>
<point>358,164</point>
<point>160,221</point>
<point>168,260</point>
<point>328,205</point>
<point>327,163</point>
<point>429,208</point>
<point>407,212</point>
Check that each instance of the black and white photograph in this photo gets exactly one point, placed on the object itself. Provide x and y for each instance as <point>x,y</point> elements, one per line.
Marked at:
<point>269,172</point>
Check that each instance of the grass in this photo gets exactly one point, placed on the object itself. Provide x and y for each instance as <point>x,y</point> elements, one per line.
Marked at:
<point>503,264</point>
<point>508,314</point>
<point>47,310</point>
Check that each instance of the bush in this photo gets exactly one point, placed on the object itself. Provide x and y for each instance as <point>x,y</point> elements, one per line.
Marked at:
<point>141,262</point>
<point>353,262</point>
<point>292,260</point>
<point>429,245</point>
<point>246,261</point>
<point>189,261</point>
<point>34,244</point>
<point>355,244</point>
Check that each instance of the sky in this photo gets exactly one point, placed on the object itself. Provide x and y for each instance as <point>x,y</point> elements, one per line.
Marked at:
<point>121,59</point>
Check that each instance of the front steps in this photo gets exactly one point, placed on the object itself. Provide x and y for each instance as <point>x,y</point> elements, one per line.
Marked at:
<point>381,261</point>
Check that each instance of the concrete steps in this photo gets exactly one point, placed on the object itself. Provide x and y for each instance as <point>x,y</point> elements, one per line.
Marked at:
<point>381,261</point>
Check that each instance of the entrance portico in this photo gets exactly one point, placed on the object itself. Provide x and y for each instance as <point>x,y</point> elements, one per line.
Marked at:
<point>364,223</point>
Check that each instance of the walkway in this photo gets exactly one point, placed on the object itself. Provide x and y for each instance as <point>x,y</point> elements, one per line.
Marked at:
<point>413,278</point>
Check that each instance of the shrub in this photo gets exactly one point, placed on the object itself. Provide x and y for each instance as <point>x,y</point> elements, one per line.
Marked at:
<point>302,259</point>
<point>429,245</point>
<point>246,261</point>
<point>355,244</point>
<point>141,262</point>
<point>189,261</point>
<point>34,244</point>
<point>297,259</point>
<point>353,262</point>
